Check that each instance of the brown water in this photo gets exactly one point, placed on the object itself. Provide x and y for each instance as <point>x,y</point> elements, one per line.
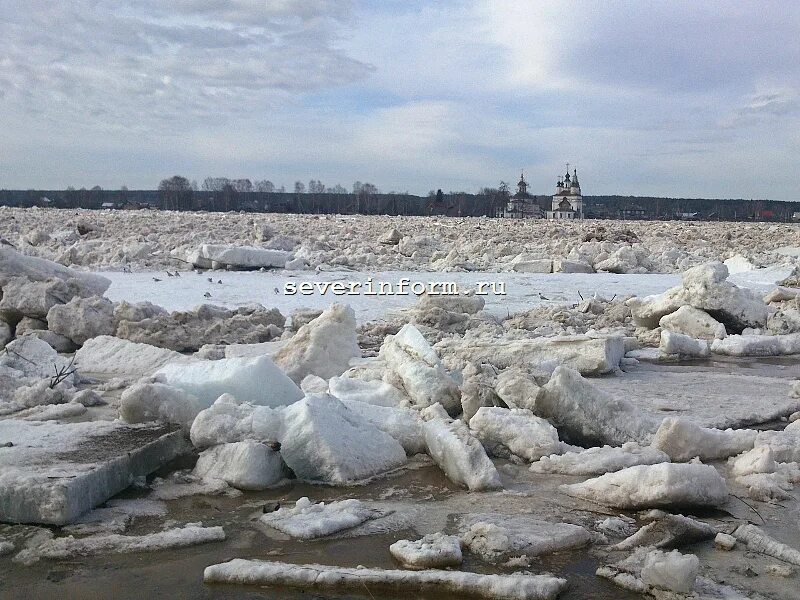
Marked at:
<point>179,573</point>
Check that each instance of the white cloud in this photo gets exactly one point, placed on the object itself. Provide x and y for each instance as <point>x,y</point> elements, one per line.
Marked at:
<point>680,99</point>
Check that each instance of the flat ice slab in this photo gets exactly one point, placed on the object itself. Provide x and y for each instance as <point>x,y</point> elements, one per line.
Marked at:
<point>496,537</point>
<point>55,472</point>
<point>322,577</point>
<point>720,396</point>
<point>308,520</point>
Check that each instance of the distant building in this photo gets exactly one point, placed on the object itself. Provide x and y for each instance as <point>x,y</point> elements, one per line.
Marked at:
<point>522,205</point>
<point>567,201</point>
<point>631,212</point>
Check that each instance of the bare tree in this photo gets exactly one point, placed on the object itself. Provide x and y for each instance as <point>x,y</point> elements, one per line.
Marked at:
<point>265,185</point>
<point>242,185</point>
<point>299,187</point>
<point>176,193</point>
<point>215,184</point>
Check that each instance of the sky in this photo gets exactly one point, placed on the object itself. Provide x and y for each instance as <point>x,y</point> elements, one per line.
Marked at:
<point>679,98</point>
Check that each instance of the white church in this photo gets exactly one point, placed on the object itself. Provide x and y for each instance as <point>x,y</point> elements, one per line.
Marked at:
<point>567,201</point>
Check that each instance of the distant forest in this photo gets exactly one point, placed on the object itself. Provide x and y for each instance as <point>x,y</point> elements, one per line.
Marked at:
<point>220,194</point>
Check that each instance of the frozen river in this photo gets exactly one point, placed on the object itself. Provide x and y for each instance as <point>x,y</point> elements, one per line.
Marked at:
<point>368,293</point>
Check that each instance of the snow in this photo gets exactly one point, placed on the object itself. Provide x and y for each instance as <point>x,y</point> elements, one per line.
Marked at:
<point>496,538</point>
<point>323,440</point>
<point>403,424</point>
<point>55,412</point>
<point>683,440</point>
<point>82,318</point>
<point>378,393</point>
<point>34,358</point>
<point>522,289</point>
<point>683,345</point>
<point>239,288</point>
<point>67,547</point>
<point>517,388</point>
<point>768,487</point>
<point>112,356</point>
<point>585,412</point>
<point>434,551</point>
<point>704,287</point>
<point>758,345</point>
<point>54,472</point>
<point>322,347</point>
<point>219,256</point>
<point>255,380</point>
<point>599,460</point>
<point>145,402</point>
<point>460,455</point>
<point>12,264</point>
<point>670,570</point>
<point>307,520</point>
<point>587,355</point>
<point>321,577</point>
<point>660,485</point>
<point>518,432</point>
<point>26,299</point>
<point>784,445</point>
<point>757,460</point>
<point>244,465</point>
<point>739,264</point>
<point>414,366</point>
<point>229,420</point>
<point>758,541</point>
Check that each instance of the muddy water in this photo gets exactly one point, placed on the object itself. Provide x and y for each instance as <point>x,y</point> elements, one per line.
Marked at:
<point>423,497</point>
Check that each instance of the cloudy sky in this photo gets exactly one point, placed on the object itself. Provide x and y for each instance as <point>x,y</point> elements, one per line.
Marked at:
<point>698,99</point>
